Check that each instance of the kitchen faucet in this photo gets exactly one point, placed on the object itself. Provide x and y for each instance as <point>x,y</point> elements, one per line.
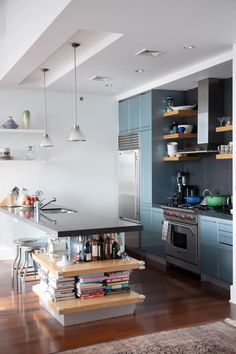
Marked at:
<point>51,201</point>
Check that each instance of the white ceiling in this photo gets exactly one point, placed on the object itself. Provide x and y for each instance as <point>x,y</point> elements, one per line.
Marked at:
<point>111,31</point>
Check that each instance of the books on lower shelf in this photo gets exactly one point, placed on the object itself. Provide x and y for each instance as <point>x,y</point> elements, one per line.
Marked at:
<point>102,284</point>
<point>84,286</point>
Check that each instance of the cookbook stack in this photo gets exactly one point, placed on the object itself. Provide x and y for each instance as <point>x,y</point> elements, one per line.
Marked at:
<point>61,289</point>
<point>117,282</point>
<point>90,286</point>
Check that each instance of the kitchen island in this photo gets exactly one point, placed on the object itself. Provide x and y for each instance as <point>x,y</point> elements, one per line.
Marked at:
<point>70,225</point>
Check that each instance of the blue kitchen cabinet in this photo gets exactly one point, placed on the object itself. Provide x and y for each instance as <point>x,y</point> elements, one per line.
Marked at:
<point>225,250</point>
<point>146,167</point>
<point>157,243</point>
<point>123,116</point>
<point>208,246</point>
<point>146,110</point>
<point>134,113</point>
<point>146,220</point>
<point>216,238</point>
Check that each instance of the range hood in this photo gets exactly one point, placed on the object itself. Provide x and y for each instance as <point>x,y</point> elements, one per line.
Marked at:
<point>210,106</point>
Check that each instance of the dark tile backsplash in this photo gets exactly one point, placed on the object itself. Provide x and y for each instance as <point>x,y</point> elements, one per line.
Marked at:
<point>208,172</point>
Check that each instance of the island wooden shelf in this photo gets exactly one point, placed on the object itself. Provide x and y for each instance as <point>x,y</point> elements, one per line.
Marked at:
<point>225,128</point>
<point>105,266</point>
<point>75,311</point>
<point>181,113</point>
<point>224,156</point>
<point>182,158</point>
<point>180,136</point>
<point>83,305</point>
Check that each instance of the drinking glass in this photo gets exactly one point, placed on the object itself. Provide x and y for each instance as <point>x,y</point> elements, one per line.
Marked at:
<point>221,120</point>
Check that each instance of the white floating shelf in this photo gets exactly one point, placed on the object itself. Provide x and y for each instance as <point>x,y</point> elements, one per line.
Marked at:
<point>22,131</point>
<point>21,161</point>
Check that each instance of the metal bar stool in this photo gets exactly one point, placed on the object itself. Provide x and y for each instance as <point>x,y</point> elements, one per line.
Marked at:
<point>21,266</point>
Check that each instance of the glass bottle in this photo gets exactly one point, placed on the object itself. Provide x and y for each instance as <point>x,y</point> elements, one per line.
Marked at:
<point>26,119</point>
<point>30,154</point>
<point>88,251</point>
<point>169,103</point>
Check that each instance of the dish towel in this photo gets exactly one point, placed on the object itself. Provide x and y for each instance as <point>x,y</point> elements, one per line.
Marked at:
<point>165,230</point>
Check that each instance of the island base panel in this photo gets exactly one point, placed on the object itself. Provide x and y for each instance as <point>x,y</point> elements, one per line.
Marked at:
<point>84,317</point>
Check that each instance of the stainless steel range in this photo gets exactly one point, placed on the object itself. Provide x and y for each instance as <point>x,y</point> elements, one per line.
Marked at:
<point>180,230</point>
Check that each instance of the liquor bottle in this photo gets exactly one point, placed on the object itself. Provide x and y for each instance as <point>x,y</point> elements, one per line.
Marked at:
<point>94,249</point>
<point>115,249</point>
<point>88,251</point>
<point>108,246</point>
<point>101,248</point>
<point>81,249</point>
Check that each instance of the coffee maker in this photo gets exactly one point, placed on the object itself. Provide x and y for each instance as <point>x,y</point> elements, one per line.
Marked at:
<point>184,190</point>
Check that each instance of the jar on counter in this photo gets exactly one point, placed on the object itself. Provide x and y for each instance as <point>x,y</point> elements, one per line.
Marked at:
<point>30,154</point>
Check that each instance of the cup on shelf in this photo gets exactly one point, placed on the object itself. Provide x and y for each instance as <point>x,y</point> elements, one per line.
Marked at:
<point>230,145</point>
<point>223,149</point>
<point>172,148</point>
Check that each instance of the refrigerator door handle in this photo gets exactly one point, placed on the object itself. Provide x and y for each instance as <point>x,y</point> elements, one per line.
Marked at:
<point>137,216</point>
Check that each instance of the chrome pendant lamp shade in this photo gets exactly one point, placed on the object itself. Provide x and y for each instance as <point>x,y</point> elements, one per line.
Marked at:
<point>76,133</point>
<point>46,140</point>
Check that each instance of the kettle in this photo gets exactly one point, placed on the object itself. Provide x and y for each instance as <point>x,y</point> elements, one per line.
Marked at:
<point>205,194</point>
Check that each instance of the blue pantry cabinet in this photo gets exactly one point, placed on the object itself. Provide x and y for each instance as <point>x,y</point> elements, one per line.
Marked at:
<point>123,116</point>
<point>146,110</point>
<point>134,113</point>
<point>146,167</point>
<point>216,247</point>
<point>157,242</point>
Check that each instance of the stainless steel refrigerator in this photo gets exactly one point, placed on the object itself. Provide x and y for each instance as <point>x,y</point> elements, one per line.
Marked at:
<point>129,192</point>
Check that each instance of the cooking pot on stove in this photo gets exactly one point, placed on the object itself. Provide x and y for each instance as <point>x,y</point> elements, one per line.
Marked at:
<point>217,200</point>
<point>193,200</point>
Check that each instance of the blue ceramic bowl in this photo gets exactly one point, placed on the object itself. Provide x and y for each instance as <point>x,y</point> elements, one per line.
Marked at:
<point>192,200</point>
<point>181,130</point>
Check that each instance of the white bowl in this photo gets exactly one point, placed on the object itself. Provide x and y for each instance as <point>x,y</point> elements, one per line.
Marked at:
<point>182,107</point>
<point>188,128</point>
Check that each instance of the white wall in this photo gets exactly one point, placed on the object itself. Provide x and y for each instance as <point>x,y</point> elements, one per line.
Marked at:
<point>80,175</point>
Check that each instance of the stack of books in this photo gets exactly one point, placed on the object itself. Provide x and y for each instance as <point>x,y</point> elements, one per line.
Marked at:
<point>90,286</point>
<point>117,282</point>
<point>61,289</point>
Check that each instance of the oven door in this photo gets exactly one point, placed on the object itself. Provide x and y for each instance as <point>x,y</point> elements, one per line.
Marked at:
<point>182,242</point>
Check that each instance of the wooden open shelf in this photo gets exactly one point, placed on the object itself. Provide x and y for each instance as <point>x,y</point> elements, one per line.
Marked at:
<point>83,305</point>
<point>181,113</point>
<point>224,156</point>
<point>225,128</point>
<point>181,158</point>
<point>109,265</point>
<point>180,136</point>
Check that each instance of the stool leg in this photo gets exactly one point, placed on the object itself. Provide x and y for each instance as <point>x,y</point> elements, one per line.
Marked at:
<point>18,265</point>
<point>26,264</point>
<point>14,265</point>
<point>34,265</point>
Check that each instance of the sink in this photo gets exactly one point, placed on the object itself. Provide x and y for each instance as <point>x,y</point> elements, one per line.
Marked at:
<point>57,211</point>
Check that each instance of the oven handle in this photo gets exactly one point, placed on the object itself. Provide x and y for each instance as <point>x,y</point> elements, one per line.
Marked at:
<point>176,224</point>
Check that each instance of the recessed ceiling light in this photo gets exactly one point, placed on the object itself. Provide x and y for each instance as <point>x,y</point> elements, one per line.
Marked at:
<point>189,46</point>
<point>139,70</point>
<point>108,85</point>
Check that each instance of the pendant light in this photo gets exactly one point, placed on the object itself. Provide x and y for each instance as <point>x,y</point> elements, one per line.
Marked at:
<point>75,134</point>
<point>46,140</point>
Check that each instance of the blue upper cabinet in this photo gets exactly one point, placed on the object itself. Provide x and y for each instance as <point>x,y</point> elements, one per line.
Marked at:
<point>124,116</point>
<point>146,167</point>
<point>146,110</point>
<point>134,113</point>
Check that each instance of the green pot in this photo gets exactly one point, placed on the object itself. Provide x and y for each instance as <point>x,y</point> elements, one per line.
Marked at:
<point>217,200</point>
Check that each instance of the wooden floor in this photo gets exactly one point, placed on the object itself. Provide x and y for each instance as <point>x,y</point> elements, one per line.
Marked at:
<point>174,299</point>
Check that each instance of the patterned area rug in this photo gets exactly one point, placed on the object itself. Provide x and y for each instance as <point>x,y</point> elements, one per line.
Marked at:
<point>216,338</point>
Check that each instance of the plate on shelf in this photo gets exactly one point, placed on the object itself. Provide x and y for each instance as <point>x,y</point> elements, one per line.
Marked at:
<point>183,108</point>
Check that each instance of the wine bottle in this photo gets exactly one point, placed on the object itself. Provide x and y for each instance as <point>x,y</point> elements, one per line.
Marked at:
<point>101,248</point>
<point>115,249</point>
<point>94,249</point>
<point>88,251</point>
<point>107,247</point>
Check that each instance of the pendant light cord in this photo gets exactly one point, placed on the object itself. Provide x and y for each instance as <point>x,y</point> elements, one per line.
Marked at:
<point>45,103</point>
<point>76,107</point>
